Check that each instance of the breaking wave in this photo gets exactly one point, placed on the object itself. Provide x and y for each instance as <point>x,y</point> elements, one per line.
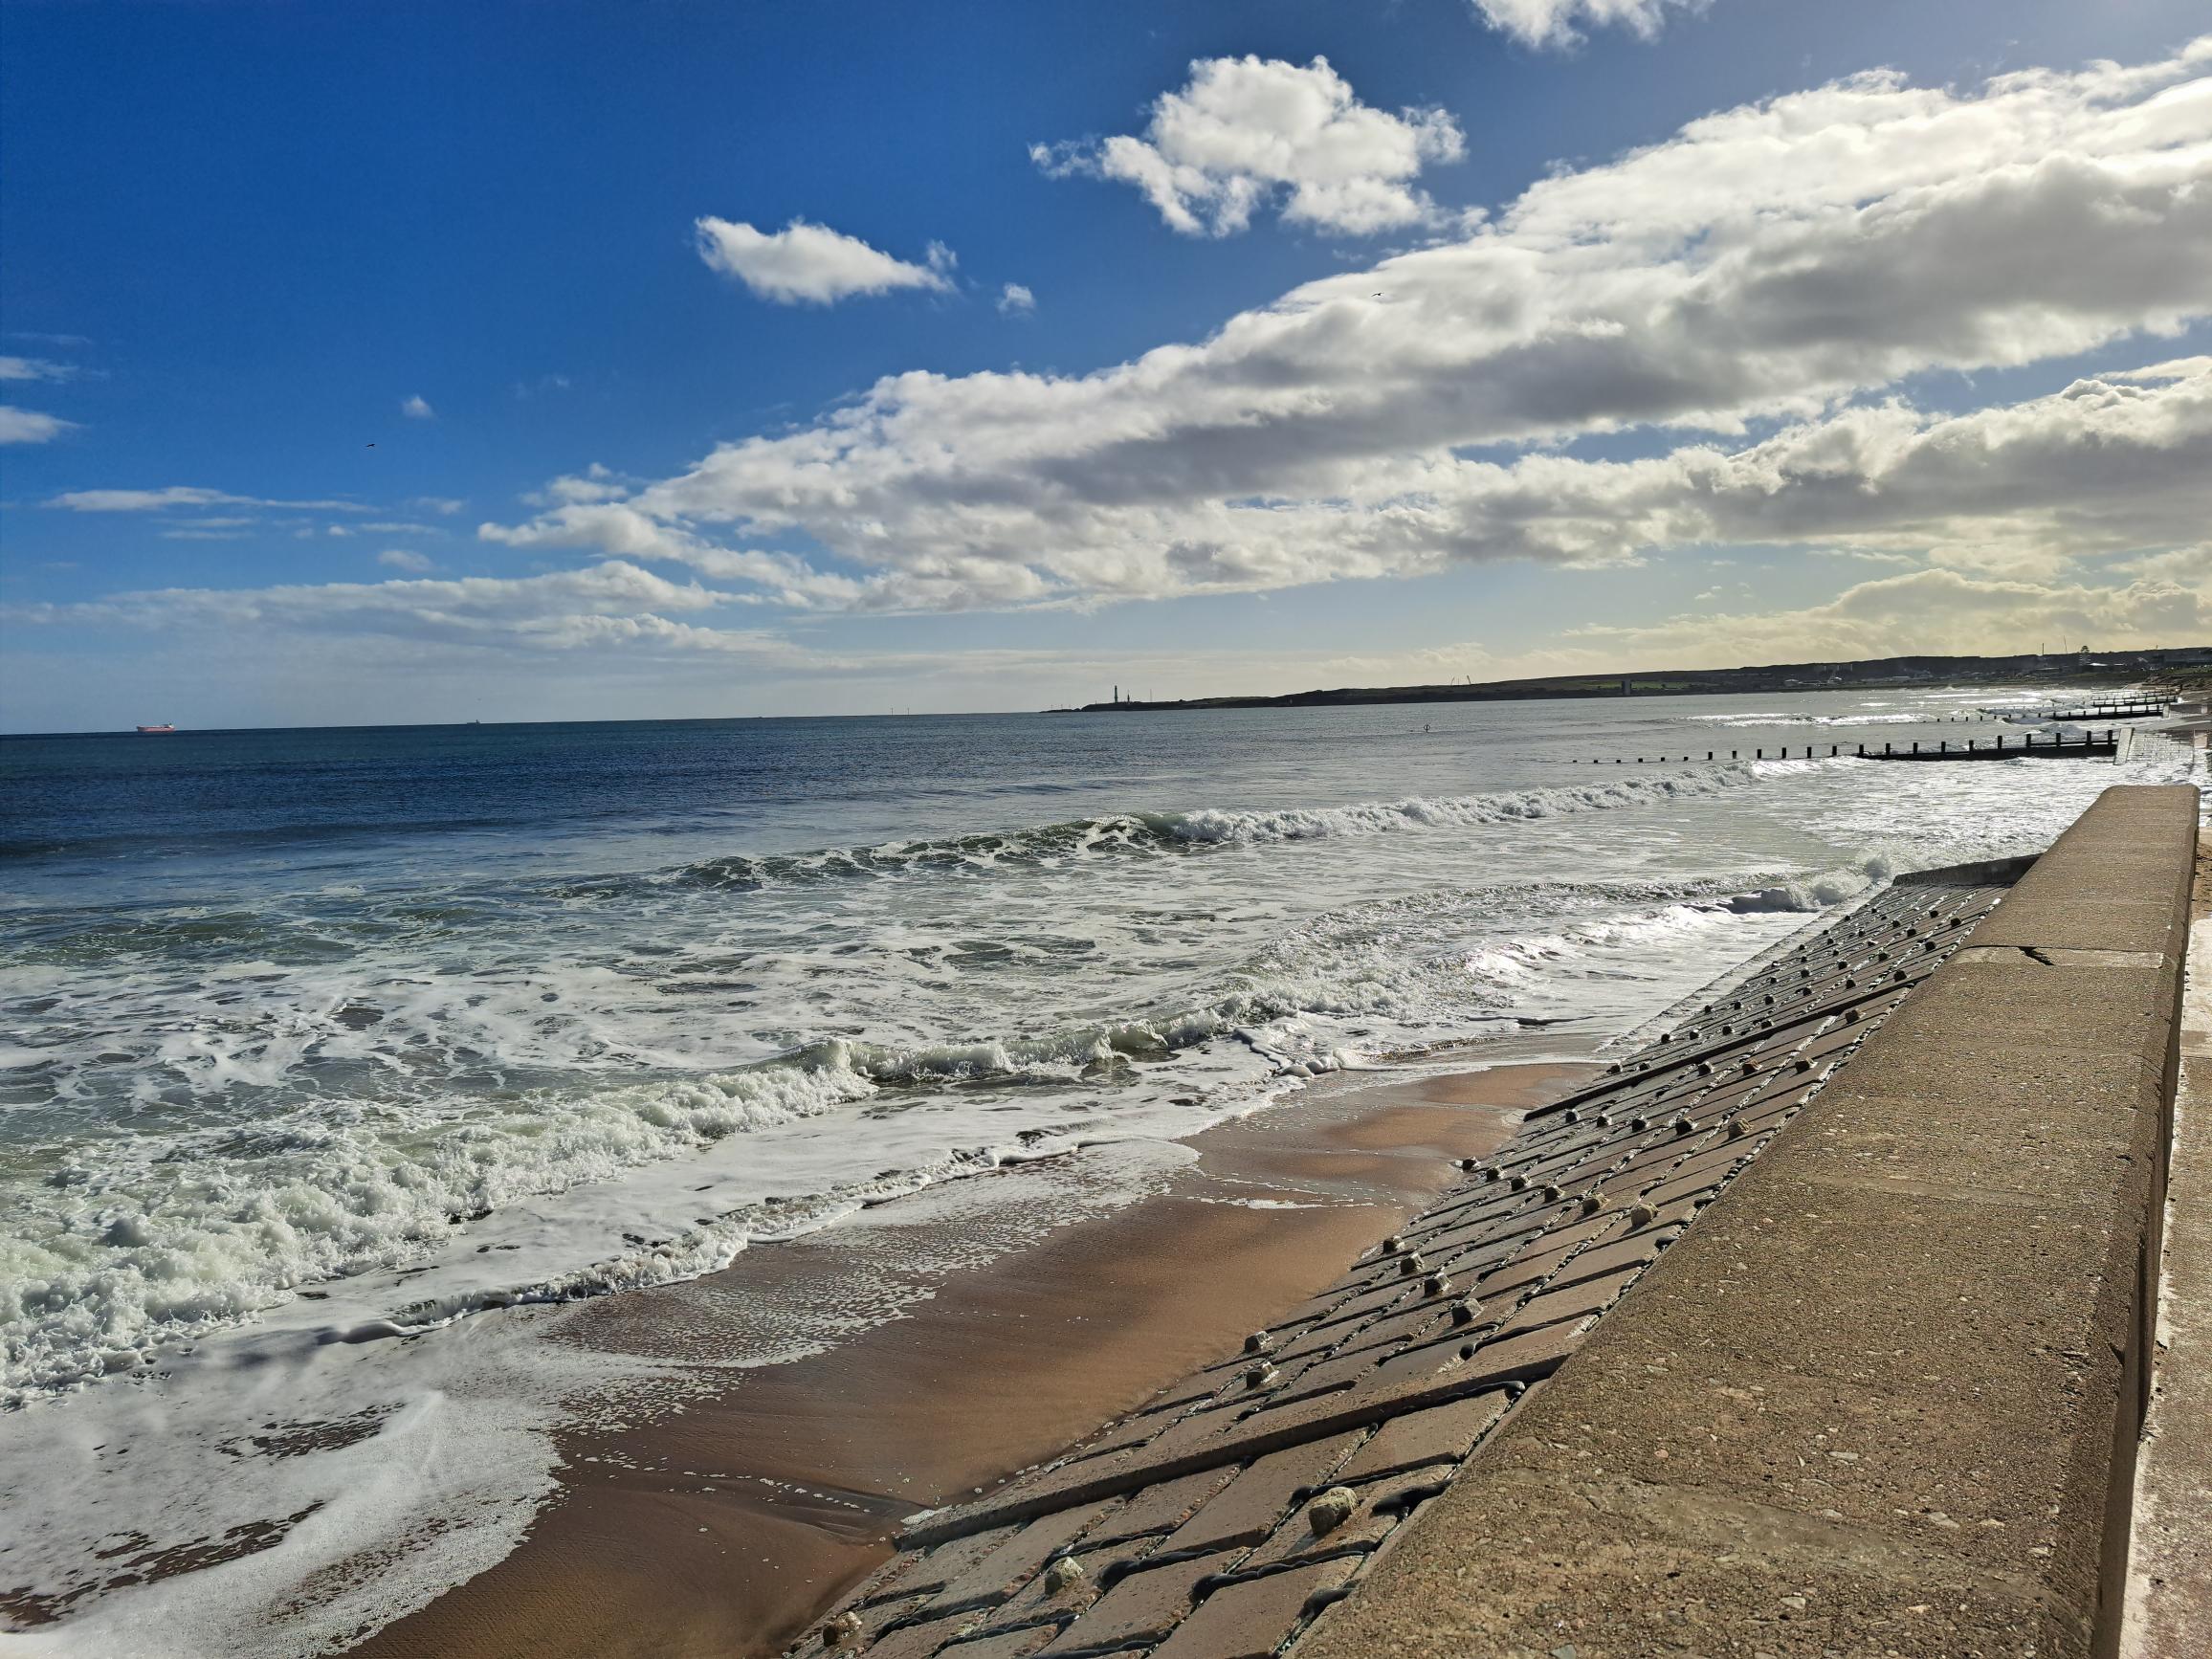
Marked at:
<point>1140,834</point>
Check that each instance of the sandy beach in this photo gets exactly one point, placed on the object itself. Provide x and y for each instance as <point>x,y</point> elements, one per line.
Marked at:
<point>722,1529</point>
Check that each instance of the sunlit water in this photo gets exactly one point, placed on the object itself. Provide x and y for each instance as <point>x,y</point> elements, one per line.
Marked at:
<point>338,1034</point>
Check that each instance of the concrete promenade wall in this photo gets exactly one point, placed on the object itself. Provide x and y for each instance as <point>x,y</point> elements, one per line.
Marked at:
<point>1884,1397</point>
<point>2170,748</point>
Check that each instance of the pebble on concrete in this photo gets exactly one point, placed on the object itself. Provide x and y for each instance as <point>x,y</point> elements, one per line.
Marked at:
<point>1330,1510</point>
<point>1062,1575</point>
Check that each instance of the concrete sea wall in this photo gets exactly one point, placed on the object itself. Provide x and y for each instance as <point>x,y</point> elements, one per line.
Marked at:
<point>1884,1397</point>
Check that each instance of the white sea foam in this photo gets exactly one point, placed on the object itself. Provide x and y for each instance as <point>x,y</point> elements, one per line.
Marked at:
<point>1778,719</point>
<point>161,1241</point>
<point>312,1491</point>
<point>1384,817</point>
<point>375,1475</point>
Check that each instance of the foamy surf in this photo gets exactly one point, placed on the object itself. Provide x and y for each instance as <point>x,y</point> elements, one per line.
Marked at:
<point>139,1255</point>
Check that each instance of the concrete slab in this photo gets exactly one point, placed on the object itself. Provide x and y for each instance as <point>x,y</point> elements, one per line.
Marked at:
<point>1258,1499</point>
<point>2006,1074</point>
<point>1248,1620</point>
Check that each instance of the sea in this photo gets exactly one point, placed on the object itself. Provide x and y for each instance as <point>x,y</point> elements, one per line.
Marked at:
<point>313,1042</point>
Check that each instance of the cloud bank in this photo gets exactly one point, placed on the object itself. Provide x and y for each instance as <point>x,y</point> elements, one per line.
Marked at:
<point>1760,272</point>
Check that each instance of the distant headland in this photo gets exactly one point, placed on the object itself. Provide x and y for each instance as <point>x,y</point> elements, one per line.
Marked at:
<point>2075,668</point>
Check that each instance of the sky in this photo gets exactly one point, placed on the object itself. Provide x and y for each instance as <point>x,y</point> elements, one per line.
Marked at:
<point>556,360</point>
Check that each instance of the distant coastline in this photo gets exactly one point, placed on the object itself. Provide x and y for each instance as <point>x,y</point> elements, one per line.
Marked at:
<point>2085,668</point>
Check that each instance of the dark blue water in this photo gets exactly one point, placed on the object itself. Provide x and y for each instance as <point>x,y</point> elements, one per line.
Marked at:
<point>610,792</point>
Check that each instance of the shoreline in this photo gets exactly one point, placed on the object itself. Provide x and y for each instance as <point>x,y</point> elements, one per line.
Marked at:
<point>726,1527</point>
<point>1396,1419</point>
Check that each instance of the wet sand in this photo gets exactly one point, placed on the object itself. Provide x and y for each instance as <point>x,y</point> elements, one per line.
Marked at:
<point>723,1529</point>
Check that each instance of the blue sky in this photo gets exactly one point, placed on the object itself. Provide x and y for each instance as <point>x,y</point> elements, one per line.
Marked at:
<point>245,241</point>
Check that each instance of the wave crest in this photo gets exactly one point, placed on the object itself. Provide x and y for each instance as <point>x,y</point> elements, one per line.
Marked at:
<point>1200,828</point>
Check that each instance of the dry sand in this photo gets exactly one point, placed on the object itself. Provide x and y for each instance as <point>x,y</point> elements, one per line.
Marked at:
<point>800,1471</point>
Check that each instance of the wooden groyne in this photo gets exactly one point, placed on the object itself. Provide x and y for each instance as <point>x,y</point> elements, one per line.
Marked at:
<point>2057,746</point>
<point>2122,709</point>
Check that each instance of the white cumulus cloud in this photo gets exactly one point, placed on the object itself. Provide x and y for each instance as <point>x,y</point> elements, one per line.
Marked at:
<point>1245,131</point>
<point>418,409</point>
<point>1016,300</point>
<point>1562,22</point>
<point>404,559</point>
<point>813,265</point>
<point>1936,612</point>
